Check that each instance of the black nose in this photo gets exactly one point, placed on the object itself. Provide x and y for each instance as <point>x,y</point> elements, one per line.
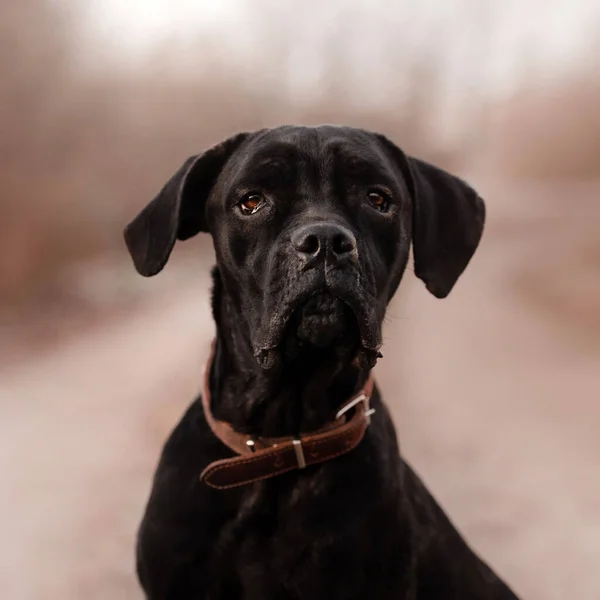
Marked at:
<point>326,240</point>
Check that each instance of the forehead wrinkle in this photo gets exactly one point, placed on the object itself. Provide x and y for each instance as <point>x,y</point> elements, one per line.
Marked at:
<point>269,161</point>
<point>273,152</point>
<point>306,142</point>
<point>352,161</point>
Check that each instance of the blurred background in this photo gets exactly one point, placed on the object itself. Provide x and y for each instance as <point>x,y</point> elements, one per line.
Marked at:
<point>495,390</point>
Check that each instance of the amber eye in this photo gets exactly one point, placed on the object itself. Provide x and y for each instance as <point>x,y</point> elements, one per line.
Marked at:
<point>378,200</point>
<point>251,203</point>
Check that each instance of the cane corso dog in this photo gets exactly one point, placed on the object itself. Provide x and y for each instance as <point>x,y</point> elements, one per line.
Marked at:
<point>283,480</point>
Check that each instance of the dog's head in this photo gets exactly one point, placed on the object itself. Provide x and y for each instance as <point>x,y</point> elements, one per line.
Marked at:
<point>312,228</point>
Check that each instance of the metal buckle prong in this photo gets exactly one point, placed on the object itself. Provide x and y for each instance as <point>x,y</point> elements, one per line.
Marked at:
<point>360,398</point>
<point>299,453</point>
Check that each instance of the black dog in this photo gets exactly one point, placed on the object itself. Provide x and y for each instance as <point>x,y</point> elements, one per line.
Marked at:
<point>311,228</point>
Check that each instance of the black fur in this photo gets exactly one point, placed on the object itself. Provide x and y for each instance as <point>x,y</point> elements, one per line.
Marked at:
<point>300,292</point>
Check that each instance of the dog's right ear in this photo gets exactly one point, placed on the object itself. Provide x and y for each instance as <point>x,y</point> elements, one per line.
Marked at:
<point>178,211</point>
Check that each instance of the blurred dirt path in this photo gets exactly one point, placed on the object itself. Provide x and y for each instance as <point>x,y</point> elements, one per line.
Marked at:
<point>80,432</point>
<point>496,397</point>
<point>498,403</point>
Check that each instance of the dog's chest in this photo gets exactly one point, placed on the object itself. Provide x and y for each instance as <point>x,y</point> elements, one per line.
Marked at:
<point>302,543</point>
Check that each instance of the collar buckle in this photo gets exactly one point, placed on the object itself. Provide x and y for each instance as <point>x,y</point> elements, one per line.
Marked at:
<point>361,398</point>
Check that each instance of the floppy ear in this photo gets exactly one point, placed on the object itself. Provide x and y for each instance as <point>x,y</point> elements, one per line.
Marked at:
<point>448,219</point>
<point>178,211</point>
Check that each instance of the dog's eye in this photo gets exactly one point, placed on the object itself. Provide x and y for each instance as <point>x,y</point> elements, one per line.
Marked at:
<point>251,203</point>
<point>378,200</point>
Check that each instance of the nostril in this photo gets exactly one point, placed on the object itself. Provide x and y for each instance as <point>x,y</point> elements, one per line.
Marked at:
<point>343,244</point>
<point>328,241</point>
<point>308,244</point>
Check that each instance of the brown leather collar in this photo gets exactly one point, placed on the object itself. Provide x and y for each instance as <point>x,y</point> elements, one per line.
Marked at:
<point>262,458</point>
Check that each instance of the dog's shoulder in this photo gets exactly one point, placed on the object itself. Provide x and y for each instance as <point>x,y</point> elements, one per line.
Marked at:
<point>189,434</point>
<point>189,448</point>
<point>463,576</point>
<point>178,504</point>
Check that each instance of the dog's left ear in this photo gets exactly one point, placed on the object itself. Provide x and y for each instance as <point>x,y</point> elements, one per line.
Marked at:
<point>178,211</point>
<point>448,220</point>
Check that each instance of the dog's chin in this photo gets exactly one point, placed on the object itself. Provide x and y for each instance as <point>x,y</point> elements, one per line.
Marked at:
<point>323,325</point>
<point>323,321</point>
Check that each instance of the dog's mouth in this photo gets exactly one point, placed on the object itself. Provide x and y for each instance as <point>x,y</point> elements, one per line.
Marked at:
<point>322,320</point>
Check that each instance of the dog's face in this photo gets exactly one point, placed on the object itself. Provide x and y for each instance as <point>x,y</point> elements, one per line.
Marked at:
<point>310,223</point>
<point>312,228</point>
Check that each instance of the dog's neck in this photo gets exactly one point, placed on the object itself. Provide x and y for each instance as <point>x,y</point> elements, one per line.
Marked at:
<point>299,395</point>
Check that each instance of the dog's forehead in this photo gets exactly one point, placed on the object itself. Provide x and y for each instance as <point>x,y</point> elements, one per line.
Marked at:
<point>320,144</point>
